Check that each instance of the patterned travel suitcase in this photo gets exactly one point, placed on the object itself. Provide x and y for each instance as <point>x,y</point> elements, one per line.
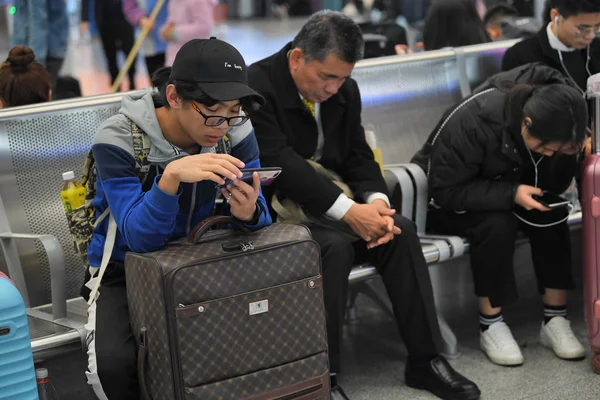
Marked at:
<point>230,315</point>
<point>591,228</point>
<point>17,376</point>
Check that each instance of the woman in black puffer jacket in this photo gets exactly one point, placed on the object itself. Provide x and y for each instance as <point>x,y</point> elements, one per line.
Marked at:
<point>485,161</point>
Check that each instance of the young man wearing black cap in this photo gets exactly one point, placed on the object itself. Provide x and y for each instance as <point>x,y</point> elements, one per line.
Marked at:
<point>199,134</point>
<point>312,112</point>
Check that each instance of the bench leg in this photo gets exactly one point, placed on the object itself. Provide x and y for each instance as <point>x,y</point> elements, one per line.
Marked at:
<point>449,345</point>
<point>371,292</point>
<point>351,308</point>
<point>368,289</point>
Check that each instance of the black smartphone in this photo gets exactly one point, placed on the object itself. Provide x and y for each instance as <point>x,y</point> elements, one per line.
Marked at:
<point>551,200</point>
<point>267,175</point>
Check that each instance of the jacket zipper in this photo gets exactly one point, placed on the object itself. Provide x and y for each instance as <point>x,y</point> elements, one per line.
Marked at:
<point>184,307</point>
<point>300,393</point>
<point>233,255</point>
<point>439,131</point>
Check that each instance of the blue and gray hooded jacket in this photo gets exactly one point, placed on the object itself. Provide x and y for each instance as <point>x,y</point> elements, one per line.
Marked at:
<point>146,216</point>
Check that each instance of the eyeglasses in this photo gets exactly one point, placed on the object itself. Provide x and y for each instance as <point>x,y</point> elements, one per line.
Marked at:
<point>215,120</point>
<point>581,31</point>
<point>588,31</point>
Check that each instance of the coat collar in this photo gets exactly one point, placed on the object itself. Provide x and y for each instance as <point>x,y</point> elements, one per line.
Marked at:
<point>542,37</point>
<point>285,87</point>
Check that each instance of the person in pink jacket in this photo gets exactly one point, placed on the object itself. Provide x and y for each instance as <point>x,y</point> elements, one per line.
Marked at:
<point>187,20</point>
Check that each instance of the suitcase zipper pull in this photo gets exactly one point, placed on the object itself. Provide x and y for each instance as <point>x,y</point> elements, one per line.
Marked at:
<point>237,246</point>
<point>247,246</point>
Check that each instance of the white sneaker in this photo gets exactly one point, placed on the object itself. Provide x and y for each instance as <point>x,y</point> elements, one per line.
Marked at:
<point>558,335</point>
<point>498,343</point>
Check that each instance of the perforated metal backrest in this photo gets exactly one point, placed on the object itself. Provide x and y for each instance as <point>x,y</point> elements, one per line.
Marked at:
<point>485,60</point>
<point>38,144</point>
<point>404,97</point>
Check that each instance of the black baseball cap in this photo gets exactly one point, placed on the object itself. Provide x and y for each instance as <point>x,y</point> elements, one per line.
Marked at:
<point>216,67</point>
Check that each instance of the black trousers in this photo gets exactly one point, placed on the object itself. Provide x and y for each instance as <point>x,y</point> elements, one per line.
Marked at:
<point>117,35</point>
<point>53,65</point>
<point>492,236</point>
<point>405,276</point>
<point>155,62</point>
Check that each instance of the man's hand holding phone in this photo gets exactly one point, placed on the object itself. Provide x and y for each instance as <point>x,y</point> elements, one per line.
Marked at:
<point>242,197</point>
<point>266,176</point>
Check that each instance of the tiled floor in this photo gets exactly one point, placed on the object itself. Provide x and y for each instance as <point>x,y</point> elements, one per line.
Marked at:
<point>375,356</point>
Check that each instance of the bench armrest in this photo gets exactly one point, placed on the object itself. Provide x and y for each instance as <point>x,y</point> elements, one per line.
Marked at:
<point>413,184</point>
<point>397,175</point>
<point>56,262</point>
<point>456,246</point>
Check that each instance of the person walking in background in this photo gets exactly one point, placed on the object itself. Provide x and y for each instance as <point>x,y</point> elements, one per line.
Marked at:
<point>137,12</point>
<point>187,20</point>
<point>115,33</point>
<point>43,26</point>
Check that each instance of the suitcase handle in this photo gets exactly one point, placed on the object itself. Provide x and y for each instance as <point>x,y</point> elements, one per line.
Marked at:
<point>204,226</point>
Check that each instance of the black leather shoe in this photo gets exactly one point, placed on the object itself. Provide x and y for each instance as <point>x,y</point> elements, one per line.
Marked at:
<point>439,378</point>
<point>337,393</point>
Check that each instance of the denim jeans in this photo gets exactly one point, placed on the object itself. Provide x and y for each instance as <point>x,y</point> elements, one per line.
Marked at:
<point>42,25</point>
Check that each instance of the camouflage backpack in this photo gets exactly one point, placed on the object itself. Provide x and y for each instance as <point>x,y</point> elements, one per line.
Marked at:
<point>82,220</point>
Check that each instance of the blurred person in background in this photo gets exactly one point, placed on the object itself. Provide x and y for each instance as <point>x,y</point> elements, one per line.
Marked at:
<point>375,20</point>
<point>23,80</point>
<point>525,8</point>
<point>502,22</point>
<point>115,33</point>
<point>137,13</point>
<point>187,20</point>
<point>283,8</point>
<point>494,17</point>
<point>453,23</point>
<point>43,26</point>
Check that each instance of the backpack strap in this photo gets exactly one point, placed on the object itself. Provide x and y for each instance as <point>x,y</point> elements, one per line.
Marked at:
<point>224,146</point>
<point>141,150</point>
<point>109,244</point>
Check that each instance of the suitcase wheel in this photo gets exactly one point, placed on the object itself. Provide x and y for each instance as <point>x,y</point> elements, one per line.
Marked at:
<point>596,363</point>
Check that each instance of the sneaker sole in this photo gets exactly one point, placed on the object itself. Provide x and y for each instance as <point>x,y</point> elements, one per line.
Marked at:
<point>501,362</point>
<point>504,363</point>
<point>596,363</point>
<point>546,343</point>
